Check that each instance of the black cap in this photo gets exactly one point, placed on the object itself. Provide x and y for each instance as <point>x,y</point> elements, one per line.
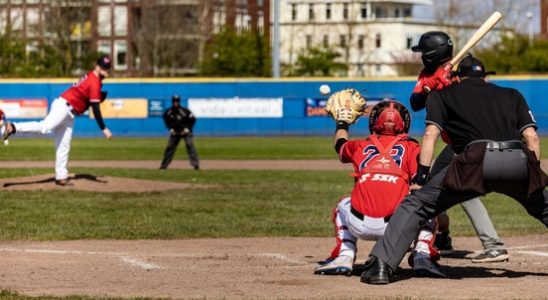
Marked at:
<point>104,62</point>
<point>175,98</point>
<point>472,67</point>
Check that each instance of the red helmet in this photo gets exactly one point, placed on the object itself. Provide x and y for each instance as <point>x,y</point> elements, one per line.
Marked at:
<point>389,117</point>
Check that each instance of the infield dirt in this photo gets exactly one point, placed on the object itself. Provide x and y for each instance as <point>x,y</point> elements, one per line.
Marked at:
<point>247,268</point>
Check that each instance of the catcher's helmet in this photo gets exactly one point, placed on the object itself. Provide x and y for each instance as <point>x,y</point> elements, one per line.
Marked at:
<point>436,48</point>
<point>386,113</point>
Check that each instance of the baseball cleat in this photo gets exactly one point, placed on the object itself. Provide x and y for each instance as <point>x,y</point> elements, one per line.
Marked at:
<point>424,266</point>
<point>7,130</point>
<point>341,265</point>
<point>443,243</point>
<point>492,255</point>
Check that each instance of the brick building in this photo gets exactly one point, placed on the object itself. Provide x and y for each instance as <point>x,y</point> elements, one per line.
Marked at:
<point>145,37</point>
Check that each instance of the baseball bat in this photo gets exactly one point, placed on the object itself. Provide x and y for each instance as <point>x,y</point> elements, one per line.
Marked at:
<point>477,36</point>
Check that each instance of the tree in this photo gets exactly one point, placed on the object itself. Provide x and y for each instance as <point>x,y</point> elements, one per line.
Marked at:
<point>319,62</point>
<point>232,54</point>
<point>514,55</point>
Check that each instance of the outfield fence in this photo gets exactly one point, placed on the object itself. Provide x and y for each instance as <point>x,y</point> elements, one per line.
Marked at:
<point>233,107</point>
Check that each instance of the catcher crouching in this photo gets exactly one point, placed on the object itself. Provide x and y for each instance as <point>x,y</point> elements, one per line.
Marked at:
<point>384,164</point>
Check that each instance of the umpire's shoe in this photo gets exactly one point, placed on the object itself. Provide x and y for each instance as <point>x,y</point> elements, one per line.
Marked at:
<point>376,271</point>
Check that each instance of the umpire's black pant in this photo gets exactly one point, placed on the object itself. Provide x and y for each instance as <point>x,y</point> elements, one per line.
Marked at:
<point>172,144</point>
<point>504,172</point>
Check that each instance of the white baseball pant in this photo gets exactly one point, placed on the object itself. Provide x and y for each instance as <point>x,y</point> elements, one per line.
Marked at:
<point>60,122</point>
<point>350,228</point>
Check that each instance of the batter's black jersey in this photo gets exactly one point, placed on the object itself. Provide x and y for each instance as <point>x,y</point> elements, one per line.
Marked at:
<point>477,110</point>
<point>178,118</point>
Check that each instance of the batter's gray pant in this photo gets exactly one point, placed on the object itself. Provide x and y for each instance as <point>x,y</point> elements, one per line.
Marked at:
<point>431,199</point>
<point>474,208</point>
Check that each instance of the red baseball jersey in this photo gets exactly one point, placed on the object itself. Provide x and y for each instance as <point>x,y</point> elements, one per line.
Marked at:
<point>377,195</point>
<point>87,90</point>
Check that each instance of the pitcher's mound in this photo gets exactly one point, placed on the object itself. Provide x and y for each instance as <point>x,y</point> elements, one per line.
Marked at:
<point>87,182</point>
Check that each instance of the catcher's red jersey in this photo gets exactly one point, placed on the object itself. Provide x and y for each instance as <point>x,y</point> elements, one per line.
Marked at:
<point>84,92</point>
<point>378,194</point>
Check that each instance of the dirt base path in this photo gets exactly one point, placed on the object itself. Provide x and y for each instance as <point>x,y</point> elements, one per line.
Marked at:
<point>258,268</point>
<point>282,164</point>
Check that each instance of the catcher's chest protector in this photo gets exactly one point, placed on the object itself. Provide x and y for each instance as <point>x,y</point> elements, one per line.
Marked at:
<point>384,164</point>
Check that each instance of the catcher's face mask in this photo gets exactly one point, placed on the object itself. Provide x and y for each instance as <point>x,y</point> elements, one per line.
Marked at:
<point>389,118</point>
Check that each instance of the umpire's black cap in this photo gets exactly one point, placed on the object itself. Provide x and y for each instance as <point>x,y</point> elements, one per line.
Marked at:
<point>175,98</point>
<point>472,67</point>
<point>105,62</point>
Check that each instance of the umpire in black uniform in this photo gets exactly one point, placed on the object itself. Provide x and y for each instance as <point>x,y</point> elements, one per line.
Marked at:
<point>494,135</point>
<point>180,122</point>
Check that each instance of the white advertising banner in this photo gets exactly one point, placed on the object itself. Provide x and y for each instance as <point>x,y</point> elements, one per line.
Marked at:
<point>236,107</point>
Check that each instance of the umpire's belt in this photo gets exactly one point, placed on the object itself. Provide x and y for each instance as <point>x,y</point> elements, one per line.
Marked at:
<point>503,145</point>
<point>360,216</point>
<point>72,111</point>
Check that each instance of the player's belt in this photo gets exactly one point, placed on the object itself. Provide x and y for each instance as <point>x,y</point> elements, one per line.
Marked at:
<point>360,216</point>
<point>500,145</point>
<point>72,111</point>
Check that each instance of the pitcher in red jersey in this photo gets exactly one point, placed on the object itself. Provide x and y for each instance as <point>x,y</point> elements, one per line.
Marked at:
<point>60,119</point>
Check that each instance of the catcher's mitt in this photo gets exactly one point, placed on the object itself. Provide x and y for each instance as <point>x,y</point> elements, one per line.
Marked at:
<point>346,105</point>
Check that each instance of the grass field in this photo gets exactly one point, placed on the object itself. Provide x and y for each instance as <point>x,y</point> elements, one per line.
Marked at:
<point>246,203</point>
<point>208,148</point>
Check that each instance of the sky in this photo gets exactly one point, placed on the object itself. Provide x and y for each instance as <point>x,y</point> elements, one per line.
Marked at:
<point>424,11</point>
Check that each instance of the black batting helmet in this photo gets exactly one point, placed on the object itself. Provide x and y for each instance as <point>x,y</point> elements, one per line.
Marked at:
<point>389,111</point>
<point>436,48</point>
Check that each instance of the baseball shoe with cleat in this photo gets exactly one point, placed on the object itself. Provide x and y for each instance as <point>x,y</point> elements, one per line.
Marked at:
<point>443,243</point>
<point>491,255</point>
<point>341,265</point>
<point>7,130</point>
<point>425,266</point>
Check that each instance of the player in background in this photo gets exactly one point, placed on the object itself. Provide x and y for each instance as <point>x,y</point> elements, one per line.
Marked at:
<point>437,49</point>
<point>180,122</point>
<point>384,164</point>
<point>60,119</point>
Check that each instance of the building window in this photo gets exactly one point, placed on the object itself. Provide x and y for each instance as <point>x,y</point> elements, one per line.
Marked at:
<point>328,11</point>
<point>363,10</point>
<point>120,20</point>
<point>409,42</point>
<point>345,11</point>
<point>103,20</point>
<point>311,11</point>
<point>378,69</point>
<point>406,12</point>
<point>378,40</point>
<point>33,21</point>
<point>380,12</point>
<point>397,13</point>
<point>308,41</point>
<point>120,55</point>
<point>16,19</point>
<point>342,39</point>
<point>326,41</point>
<point>361,41</point>
<point>103,47</point>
